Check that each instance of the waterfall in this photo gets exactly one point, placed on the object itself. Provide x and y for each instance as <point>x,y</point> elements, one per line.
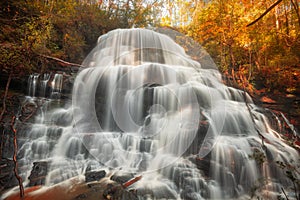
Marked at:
<point>56,86</point>
<point>141,105</point>
<point>39,85</point>
<point>33,84</point>
<point>43,84</point>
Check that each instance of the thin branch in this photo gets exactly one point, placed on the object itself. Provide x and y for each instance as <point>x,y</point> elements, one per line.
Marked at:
<point>5,96</point>
<point>284,194</point>
<point>266,12</point>
<point>296,8</point>
<point>131,181</point>
<point>60,60</point>
<point>15,158</point>
<point>291,126</point>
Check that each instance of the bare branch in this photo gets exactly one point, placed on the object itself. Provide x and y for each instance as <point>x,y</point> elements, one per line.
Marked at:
<point>284,194</point>
<point>61,61</point>
<point>266,12</point>
<point>131,181</point>
<point>15,158</point>
<point>5,96</point>
<point>296,8</point>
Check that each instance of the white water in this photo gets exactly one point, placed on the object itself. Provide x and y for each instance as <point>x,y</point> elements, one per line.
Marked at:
<point>141,105</point>
<point>45,85</point>
<point>32,84</point>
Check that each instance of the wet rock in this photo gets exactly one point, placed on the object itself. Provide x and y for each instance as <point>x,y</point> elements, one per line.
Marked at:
<point>189,194</point>
<point>38,173</point>
<point>104,190</point>
<point>158,192</point>
<point>81,196</point>
<point>6,141</point>
<point>202,163</point>
<point>7,176</point>
<point>122,177</point>
<point>117,192</point>
<point>94,175</point>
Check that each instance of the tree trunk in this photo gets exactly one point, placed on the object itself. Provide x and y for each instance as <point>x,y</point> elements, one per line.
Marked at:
<point>296,8</point>
<point>5,96</point>
<point>287,26</point>
<point>19,178</point>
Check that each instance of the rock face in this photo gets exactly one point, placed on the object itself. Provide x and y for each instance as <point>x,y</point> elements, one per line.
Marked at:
<point>94,175</point>
<point>121,177</point>
<point>18,89</point>
<point>21,84</point>
<point>38,173</point>
<point>115,191</point>
<point>7,176</point>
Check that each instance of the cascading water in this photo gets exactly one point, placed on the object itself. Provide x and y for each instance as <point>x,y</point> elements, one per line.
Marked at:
<point>32,81</point>
<point>140,105</point>
<point>56,86</point>
<point>45,85</point>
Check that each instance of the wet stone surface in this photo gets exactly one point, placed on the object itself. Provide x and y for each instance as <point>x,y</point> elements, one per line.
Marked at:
<point>94,175</point>
<point>38,173</point>
<point>7,176</point>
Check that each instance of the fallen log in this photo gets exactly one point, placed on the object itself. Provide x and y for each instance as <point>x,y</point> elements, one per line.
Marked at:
<point>132,181</point>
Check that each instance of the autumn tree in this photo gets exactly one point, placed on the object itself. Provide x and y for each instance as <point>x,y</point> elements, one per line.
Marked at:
<point>268,45</point>
<point>34,31</point>
<point>177,13</point>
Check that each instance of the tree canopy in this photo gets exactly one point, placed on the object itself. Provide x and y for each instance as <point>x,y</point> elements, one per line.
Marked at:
<point>264,52</point>
<point>66,29</point>
<point>31,31</point>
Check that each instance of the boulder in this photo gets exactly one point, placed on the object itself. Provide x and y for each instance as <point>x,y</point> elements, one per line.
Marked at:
<point>94,175</point>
